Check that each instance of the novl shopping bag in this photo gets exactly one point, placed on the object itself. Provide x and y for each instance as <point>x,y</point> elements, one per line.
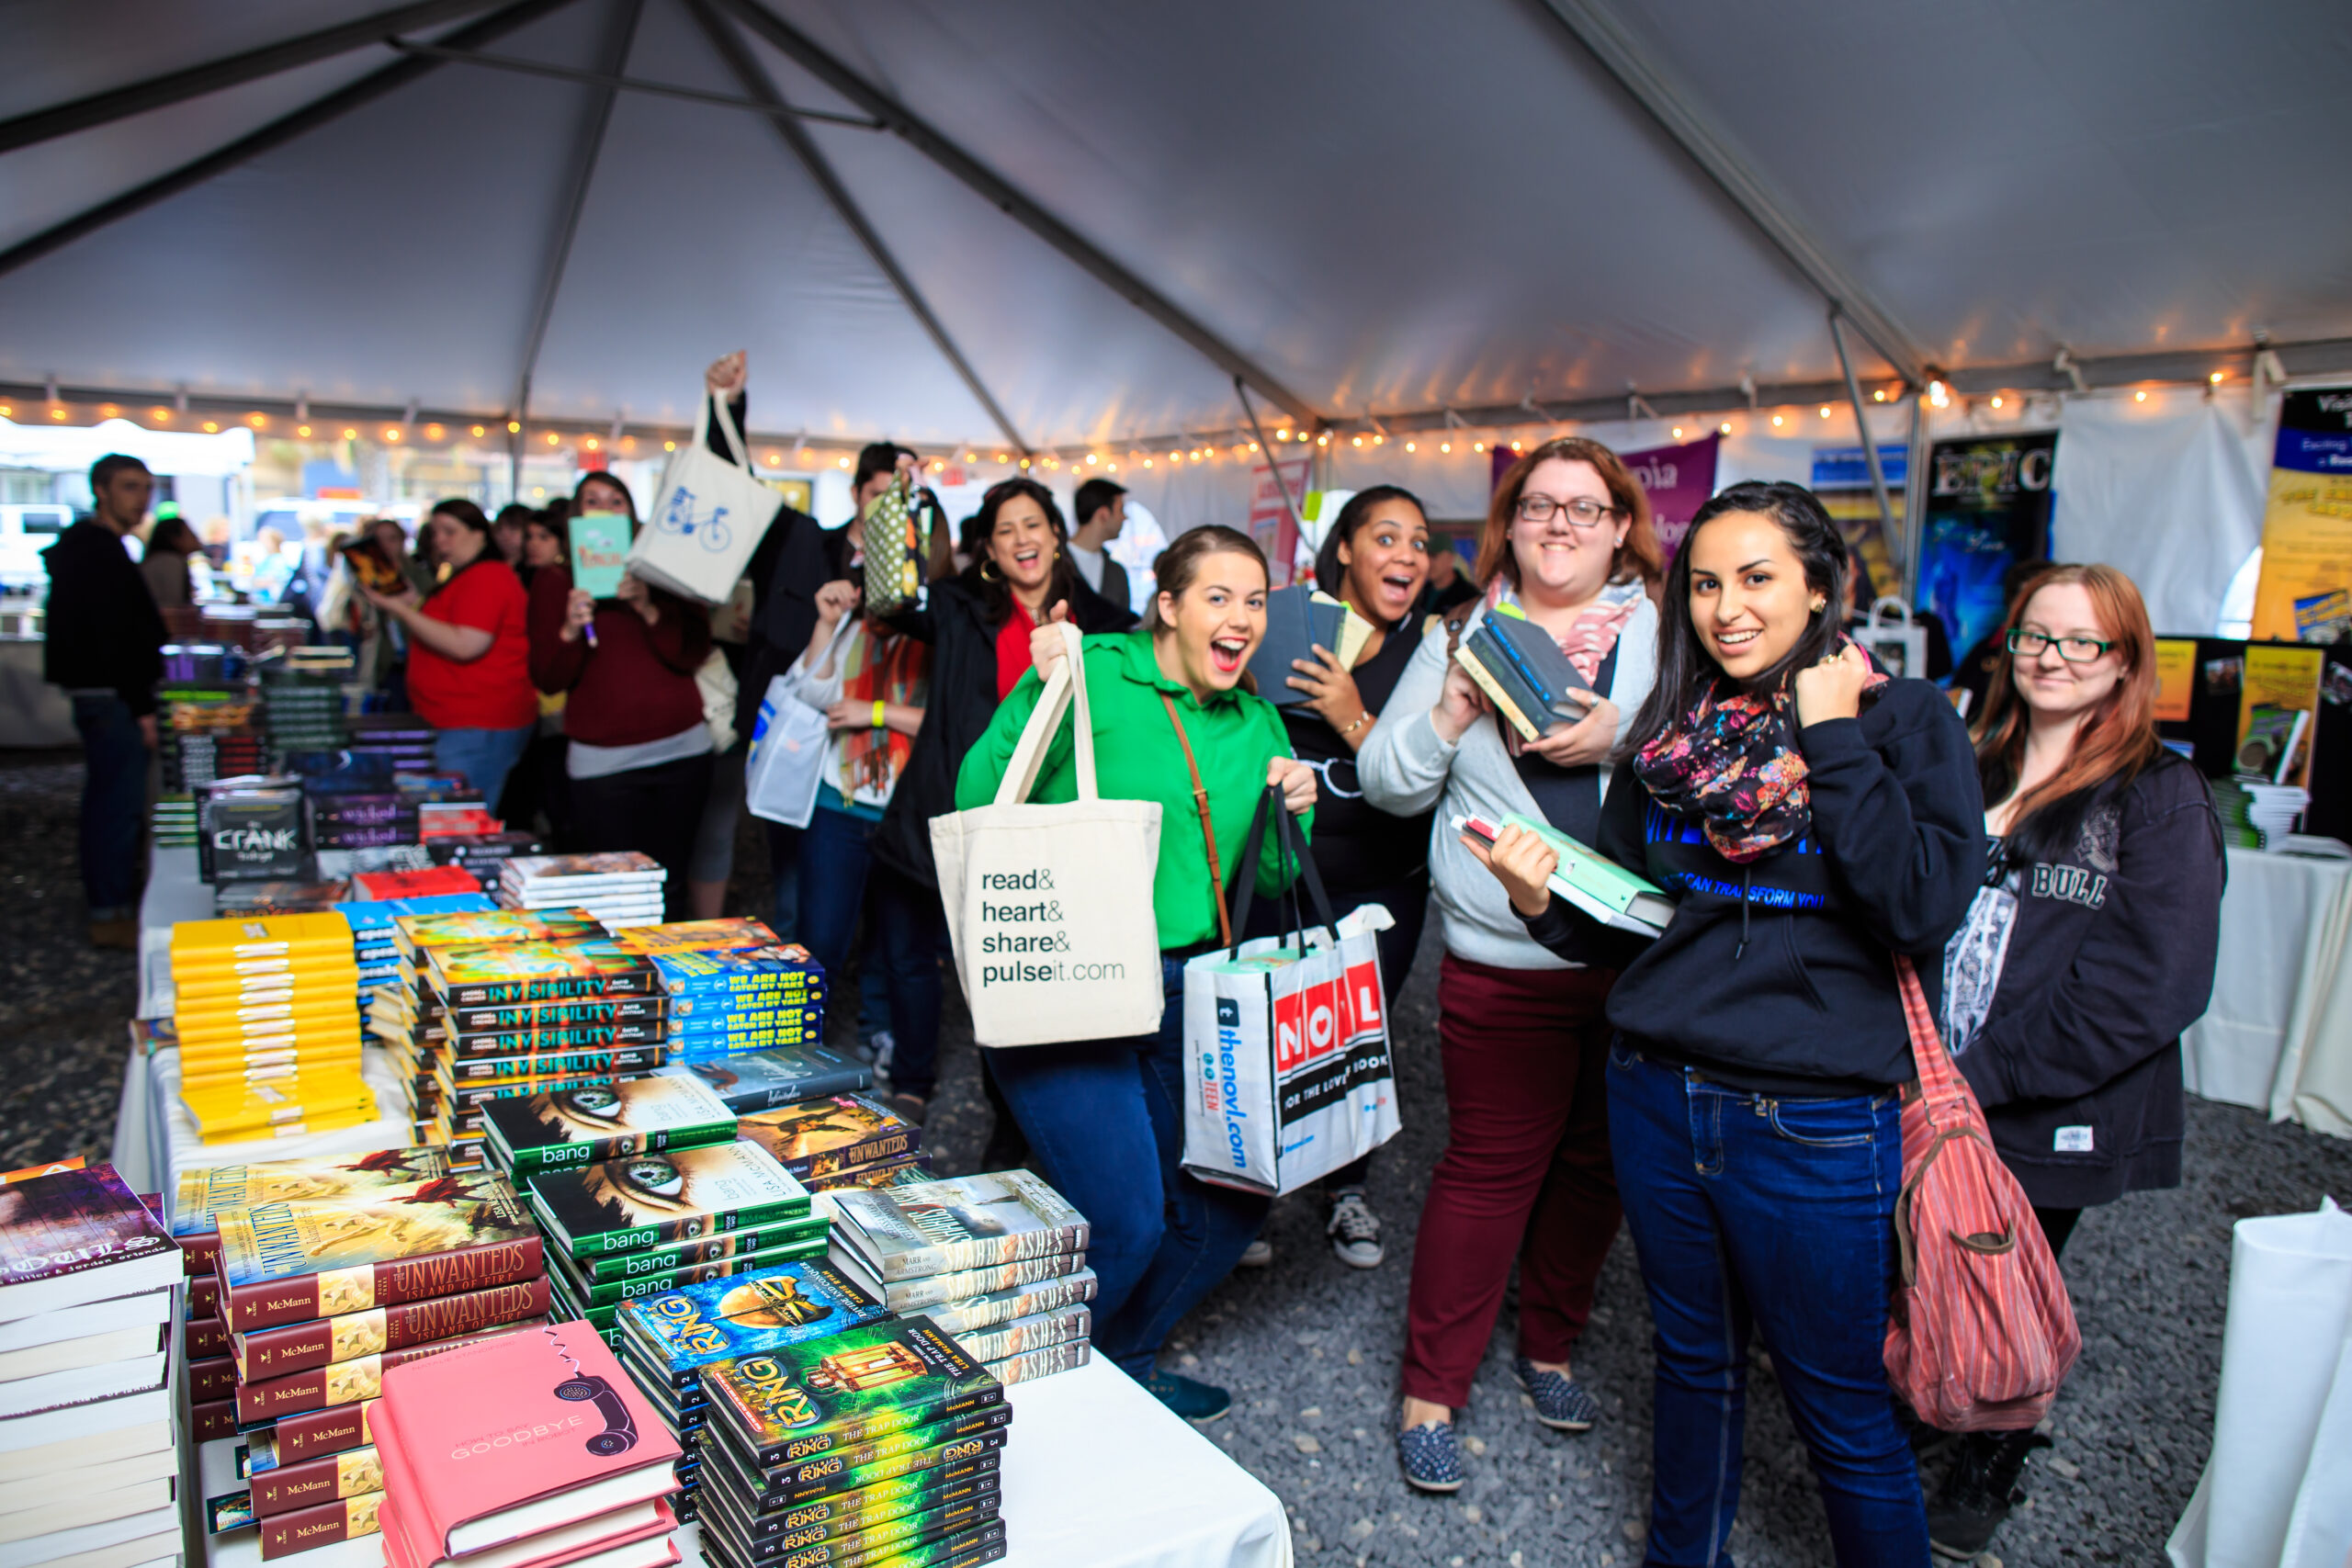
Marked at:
<point>707,519</point>
<point>1050,907</point>
<point>1287,1037</point>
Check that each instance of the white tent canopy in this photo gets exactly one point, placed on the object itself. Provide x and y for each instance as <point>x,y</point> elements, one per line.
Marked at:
<point>1108,212</point>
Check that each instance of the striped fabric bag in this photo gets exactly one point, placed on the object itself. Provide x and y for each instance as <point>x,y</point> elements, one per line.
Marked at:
<point>1982,1331</point>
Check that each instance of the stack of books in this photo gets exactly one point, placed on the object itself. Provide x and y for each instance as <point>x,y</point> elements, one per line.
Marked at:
<point>528,1134</point>
<point>87,1457</point>
<point>377,952</point>
<point>420,882</point>
<point>458,1490</point>
<point>842,1140</point>
<point>196,1205</point>
<point>238,900</point>
<point>267,1014</point>
<point>621,887</point>
<point>358,813</point>
<point>401,741</point>
<point>876,1443</point>
<point>173,821</point>
<point>753,1082</point>
<point>2256,814</point>
<point>650,1222</point>
<point>667,1342</point>
<point>305,709</point>
<point>250,829</point>
<point>323,1296</point>
<point>1522,671</point>
<point>740,1000</point>
<point>929,1244</point>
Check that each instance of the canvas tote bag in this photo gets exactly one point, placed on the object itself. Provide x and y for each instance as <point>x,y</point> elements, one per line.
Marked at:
<point>1982,1331</point>
<point>1050,907</point>
<point>786,760</point>
<point>707,517</point>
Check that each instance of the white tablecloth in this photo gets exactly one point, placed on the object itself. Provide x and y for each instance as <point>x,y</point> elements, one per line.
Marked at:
<point>1097,1475</point>
<point>2278,1036</point>
<point>154,1137</point>
<point>172,895</point>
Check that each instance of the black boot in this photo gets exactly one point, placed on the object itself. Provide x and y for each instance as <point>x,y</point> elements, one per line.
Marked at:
<point>1978,1492</point>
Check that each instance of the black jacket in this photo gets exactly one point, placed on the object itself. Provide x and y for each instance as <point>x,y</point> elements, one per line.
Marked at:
<point>2111,956</point>
<point>1777,976</point>
<point>963,698</point>
<point>103,627</point>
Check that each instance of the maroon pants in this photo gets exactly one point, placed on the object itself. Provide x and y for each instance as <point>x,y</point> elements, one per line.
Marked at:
<point>1525,1171</point>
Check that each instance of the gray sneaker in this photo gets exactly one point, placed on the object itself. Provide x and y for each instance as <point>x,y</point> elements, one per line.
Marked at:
<point>884,1045</point>
<point>1259,1254</point>
<point>1354,1231</point>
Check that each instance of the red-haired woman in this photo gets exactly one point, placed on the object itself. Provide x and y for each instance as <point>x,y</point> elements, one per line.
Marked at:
<point>2089,948</point>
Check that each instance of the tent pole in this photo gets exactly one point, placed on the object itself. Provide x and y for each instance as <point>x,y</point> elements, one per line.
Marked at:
<point>803,146</point>
<point>589,147</point>
<point>270,137</point>
<point>215,75</point>
<point>625,84</point>
<point>1915,483</point>
<point>1273,465</point>
<point>1015,204</point>
<point>1862,426</point>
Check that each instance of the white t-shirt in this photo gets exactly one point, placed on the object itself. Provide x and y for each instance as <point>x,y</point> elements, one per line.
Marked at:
<point>1089,565</point>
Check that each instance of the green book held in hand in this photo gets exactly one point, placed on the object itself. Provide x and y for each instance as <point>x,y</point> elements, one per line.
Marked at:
<point>599,552</point>
<point>1606,891</point>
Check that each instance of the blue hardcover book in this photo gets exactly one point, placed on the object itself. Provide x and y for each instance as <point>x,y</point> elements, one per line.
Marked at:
<point>751,1081</point>
<point>371,921</point>
<point>750,970</point>
<point>744,1314</point>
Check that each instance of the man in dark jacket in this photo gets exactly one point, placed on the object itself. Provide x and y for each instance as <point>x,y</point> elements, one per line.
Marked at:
<point>105,647</point>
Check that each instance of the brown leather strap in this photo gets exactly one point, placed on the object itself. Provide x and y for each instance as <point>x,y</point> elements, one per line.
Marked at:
<point>1208,833</point>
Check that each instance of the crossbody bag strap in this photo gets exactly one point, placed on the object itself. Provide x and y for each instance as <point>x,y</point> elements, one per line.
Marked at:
<point>1208,832</point>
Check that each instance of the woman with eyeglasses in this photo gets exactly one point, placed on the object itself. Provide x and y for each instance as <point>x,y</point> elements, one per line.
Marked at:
<point>977,624</point>
<point>2088,951</point>
<point>1567,544</point>
<point>1376,560</point>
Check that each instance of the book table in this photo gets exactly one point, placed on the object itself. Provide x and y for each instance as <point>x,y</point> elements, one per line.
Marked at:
<point>1097,1475</point>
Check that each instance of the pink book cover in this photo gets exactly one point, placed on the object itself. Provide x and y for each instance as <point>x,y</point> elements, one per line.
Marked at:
<point>401,1550</point>
<point>519,1418</point>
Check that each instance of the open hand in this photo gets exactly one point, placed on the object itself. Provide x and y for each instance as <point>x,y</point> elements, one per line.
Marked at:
<point>1587,741</point>
<point>1296,781</point>
<point>1523,863</point>
<point>1833,688</point>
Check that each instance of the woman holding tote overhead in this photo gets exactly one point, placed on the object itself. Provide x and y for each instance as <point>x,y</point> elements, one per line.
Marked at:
<point>1105,1117</point>
<point>1812,819</point>
<point>1375,559</point>
<point>2088,948</point>
<point>1570,546</point>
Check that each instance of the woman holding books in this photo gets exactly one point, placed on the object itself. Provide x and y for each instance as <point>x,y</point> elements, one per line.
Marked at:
<point>1376,560</point>
<point>2088,948</point>
<point>873,684</point>
<point>639,764</point>
<point>469,651</point>
<point>977,625</point>
<point>1813,819</point>
<point>1104,1116</point>
<point>1568,552</point>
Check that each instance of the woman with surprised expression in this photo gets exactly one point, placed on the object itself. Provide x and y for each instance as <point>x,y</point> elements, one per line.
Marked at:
<point>1812,819</point>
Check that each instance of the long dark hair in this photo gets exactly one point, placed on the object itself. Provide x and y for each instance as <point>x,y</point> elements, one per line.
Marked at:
<point>173,534</point>
<point>462,510</point>
<point>1684,666</point>
<point>2115,744</point>
<point>1640,555</point>
<point>993,591</point>
<point>604,478</point>
<point>1329,575</point>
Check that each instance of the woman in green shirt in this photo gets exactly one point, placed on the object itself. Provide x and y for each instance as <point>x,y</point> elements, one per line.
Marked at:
<point>1105,1117</point>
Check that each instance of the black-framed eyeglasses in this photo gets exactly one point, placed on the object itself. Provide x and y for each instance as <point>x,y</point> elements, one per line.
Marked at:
<point>1582,513</point>
<point>2072,649</point>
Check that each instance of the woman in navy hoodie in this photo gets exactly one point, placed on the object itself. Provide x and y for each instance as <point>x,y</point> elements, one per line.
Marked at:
<point>1811,818</point>
<point>2089,947</point>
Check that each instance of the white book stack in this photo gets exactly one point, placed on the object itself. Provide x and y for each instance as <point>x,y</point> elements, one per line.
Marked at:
<point>88,1459</point>
<point>619,888</point>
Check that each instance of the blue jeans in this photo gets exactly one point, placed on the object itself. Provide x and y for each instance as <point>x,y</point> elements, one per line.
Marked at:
<point>1105,1119</point>
<point>484,756</point>
<point>114,799</point>
<point>783,879</point>
<point>838,878</point>
<point>1750,1210</point>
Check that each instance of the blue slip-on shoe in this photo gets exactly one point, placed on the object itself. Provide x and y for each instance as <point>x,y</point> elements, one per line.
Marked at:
<point>1196,1402</point>
<point>1432,1462</point>
<point>1561,1402</point>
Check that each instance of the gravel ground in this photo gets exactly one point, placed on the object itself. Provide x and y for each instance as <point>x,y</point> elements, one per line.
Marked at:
<point>1309,1346</point>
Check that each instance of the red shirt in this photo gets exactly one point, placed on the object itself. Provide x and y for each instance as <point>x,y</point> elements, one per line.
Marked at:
<point>493,692</point>
<point>1012,650</point>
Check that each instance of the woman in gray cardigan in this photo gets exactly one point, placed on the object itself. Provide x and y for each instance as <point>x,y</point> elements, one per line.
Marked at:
<point>1568,543</point>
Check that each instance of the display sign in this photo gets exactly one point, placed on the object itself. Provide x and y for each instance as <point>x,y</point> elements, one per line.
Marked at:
<point>1270,522</point>
<point>2175,678</point>
<point>1678,480</point>
<point>2305,593</point>
<point>2277,702</point>
<point>1988,505</point>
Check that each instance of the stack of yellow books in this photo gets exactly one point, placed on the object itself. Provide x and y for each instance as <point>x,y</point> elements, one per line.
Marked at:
<point>267,1017</point>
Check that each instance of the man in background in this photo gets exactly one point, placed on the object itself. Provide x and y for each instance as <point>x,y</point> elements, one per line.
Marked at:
<point>105,647</point>
<point>1100,508</point>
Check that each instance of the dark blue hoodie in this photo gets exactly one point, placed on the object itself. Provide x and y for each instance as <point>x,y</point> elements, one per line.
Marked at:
<point>1778,976</point>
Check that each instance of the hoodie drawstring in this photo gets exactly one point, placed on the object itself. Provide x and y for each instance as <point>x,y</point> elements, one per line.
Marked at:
<point>1744,872</point>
